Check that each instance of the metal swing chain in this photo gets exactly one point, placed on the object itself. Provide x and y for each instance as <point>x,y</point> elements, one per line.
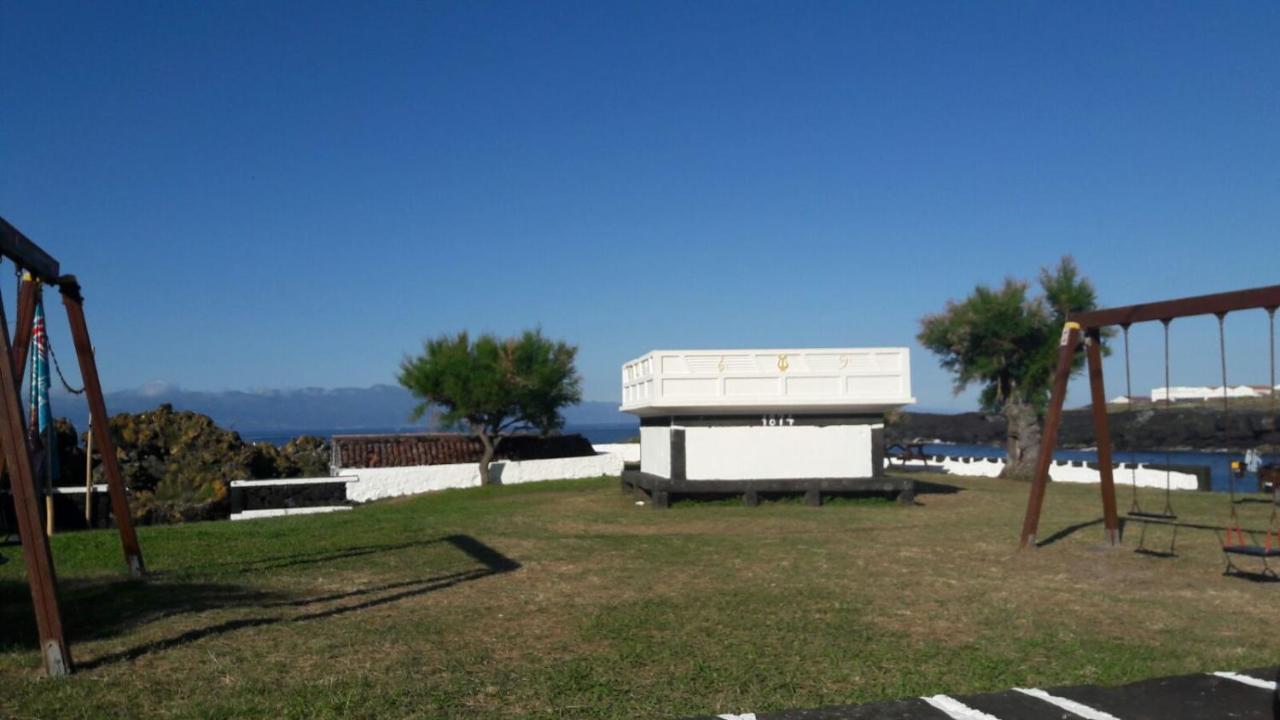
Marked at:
<point>1168,401</point>
<point>62,378</point>
<point>1271,393</point>
<point>1128,394</point>
<point>1226,405</point>
<point>1271,316</point>
<point>17,292</point>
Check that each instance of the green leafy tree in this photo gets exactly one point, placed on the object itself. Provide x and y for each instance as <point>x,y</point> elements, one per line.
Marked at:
<point>1007,341</point>
<point>494,386</point>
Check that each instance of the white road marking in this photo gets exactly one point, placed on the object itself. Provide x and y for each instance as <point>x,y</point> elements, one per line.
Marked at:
<point>1264,684</point>
<point>744,716</point>
<point>956,709</point>
<point>1080,709</point>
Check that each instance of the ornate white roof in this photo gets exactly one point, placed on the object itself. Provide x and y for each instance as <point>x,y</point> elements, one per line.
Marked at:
<point>858,380</point>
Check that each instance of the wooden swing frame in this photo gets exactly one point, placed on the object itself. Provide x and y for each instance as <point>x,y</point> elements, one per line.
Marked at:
<point>42,269</point>
<point>1086,329</point>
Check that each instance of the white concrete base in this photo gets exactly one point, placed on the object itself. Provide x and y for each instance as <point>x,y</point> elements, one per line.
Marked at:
<point>762,452</point>
<point>655,450</point>
<point>379,483</point>
<point>278,512</point>
<point>799,452</point>
<point>630,452</point>
<point>1059,471</point>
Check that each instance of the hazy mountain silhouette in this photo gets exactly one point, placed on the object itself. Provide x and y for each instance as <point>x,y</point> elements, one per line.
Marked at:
<point>380,407</point>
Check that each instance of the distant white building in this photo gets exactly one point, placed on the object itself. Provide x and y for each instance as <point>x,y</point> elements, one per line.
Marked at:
<point>1181,393</point>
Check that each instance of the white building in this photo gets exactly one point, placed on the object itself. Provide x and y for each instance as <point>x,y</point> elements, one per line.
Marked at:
<point>1177,393</point>
<point>768,420</point>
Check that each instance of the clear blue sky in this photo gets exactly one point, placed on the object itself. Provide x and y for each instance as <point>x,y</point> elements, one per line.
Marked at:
<point>267,194</point>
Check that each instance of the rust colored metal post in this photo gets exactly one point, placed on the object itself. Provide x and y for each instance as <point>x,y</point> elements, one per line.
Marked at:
<point>1049,440</point>
<point>1102,435</point>
<point>99,424</point>
<point>35,546</point>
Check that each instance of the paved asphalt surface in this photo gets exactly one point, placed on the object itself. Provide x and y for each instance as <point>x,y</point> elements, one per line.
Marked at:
<point>1245,694</point>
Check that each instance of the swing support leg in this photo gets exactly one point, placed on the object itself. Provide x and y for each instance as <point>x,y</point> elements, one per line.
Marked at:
<point>1102,435</point>
<point>41,577</point>
<point>100,424</point>
<point>1049,439</point>
<point>28,298</point>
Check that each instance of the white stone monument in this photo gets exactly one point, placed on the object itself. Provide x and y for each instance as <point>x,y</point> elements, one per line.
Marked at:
<point>773,420</point>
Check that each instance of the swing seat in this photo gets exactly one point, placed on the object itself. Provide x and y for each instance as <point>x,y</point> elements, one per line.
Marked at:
<point>1252,550</point>
<point>1144,515</point>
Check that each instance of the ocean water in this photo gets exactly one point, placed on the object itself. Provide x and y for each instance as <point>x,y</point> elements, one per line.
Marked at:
<point>594,433</point>
<point>1219,463</point>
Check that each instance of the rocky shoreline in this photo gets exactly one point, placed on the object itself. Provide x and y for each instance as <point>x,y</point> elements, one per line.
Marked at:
<point>1148,429</point>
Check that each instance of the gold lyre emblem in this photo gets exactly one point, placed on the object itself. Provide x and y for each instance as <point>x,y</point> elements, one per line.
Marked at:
<point>783,362</point>
<point>721,365</point>
<point>844,361</point>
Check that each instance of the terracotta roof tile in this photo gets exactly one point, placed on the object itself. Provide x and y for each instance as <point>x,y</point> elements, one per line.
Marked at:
<point>370,451</point>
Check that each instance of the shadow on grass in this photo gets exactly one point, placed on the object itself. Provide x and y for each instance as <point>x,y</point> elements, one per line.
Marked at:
<point>1252,576</point>
<point>1070,530</point>
<point>323,556</point>
<point>926,487</point>
<point>94,610</point>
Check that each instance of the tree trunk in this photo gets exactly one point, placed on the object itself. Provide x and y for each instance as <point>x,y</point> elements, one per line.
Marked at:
<point>1022,439</point>
<point>490,449</point>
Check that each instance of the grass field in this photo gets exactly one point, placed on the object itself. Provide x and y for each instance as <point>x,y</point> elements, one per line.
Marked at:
<point>567,600</point>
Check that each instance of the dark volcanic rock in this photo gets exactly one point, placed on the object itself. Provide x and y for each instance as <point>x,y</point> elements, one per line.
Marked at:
<point>1146,428</point>
<point>178,465</point>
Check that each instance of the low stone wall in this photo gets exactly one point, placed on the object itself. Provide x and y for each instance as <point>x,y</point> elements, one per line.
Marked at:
<point>68,509</point>
<point>249,495</point>
<point>1182,478</point>
<point>281,512</point>
<point>377,483</point>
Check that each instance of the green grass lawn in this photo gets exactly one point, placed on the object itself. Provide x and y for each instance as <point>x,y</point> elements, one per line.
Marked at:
<point>567,600</point>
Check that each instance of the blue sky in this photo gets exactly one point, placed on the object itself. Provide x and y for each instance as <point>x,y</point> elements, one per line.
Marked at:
<point>283,195</point>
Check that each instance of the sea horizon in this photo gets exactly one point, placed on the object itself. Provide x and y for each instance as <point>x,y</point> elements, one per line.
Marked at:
<point>596,433</point>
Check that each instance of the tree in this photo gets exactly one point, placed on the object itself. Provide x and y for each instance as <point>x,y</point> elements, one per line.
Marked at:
<point>1007,342</point>
<point>494,386</point>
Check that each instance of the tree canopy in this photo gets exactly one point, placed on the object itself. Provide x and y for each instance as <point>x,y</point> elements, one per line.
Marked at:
<point>1006,341</point>
<point>494,386</point>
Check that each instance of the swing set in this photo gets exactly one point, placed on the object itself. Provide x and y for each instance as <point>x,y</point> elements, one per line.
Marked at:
<point>42,269</point>
<point>1086,329</point>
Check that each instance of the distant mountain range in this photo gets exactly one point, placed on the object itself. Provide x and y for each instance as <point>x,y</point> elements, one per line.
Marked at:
<point>381,407</point>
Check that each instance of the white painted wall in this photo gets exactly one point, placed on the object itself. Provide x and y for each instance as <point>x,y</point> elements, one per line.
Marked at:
<point>655,451</point>
<point>778,453</point>
<point>78,489</point>
<point>629,452</point>
<point>1060,471</point>
<point>378,483</point>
